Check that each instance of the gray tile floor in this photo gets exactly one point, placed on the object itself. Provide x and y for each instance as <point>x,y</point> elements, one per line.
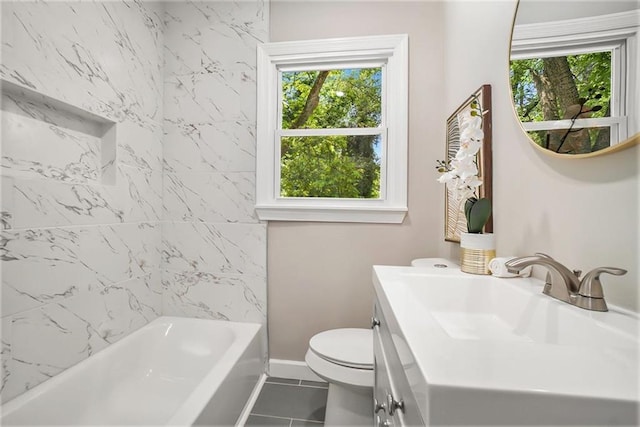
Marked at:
<point>289,403</point>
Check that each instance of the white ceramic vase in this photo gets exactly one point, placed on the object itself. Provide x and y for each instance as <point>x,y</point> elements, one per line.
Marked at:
<point>476,250</point>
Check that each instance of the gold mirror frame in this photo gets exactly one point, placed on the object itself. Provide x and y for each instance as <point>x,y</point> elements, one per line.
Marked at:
<point>629,142</point>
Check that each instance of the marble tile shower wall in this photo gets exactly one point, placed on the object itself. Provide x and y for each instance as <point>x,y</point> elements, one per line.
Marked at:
<point>128,168</point>
<point>213,247</point>
<point>82,129</point>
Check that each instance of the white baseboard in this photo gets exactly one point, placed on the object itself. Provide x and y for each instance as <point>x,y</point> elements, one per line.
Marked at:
<point>292,369</point>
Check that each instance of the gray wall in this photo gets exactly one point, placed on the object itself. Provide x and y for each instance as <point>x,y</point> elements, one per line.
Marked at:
<point>319,274</point>
<point>584,213</point>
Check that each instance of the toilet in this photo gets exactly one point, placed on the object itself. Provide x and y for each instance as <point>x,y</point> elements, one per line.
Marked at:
<point>344,358</point>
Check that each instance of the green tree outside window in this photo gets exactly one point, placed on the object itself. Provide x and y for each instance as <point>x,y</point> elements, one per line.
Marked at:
<point>342,166</point>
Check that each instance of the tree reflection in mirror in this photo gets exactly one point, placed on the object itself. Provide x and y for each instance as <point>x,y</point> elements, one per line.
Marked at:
<point>562,100</point>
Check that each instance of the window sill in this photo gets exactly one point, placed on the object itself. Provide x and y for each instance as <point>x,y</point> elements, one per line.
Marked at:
<point>381,215</point>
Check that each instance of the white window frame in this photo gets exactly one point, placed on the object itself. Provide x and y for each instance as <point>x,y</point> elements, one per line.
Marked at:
<point>388,52</point>
<point>617,33</point>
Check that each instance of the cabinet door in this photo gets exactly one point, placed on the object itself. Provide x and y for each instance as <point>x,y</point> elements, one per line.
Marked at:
<point>396,404</point>
<point>383,388</point>
<point>381,380</point>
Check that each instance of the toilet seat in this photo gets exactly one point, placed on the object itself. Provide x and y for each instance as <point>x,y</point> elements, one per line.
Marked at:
<point>343,356</point>
<point>350,347</point>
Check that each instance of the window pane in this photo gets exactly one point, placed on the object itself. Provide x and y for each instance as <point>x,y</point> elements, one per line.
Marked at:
<point>347,98</point>
<point>574,141</point>
<point>562,87</point>
<point>330,166</point>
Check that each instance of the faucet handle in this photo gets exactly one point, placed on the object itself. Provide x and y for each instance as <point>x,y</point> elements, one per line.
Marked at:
<point>590,285</point>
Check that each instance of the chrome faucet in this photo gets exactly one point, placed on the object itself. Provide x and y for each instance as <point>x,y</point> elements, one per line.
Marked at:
<point>565,285</point>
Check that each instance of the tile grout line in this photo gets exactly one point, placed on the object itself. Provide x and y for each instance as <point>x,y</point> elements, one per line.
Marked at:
<point>270,416</point>
<point>273,416</point>
<point>300,385</point>
<point>286,418</point>
<point>309,421</point>
<point>294,383</point>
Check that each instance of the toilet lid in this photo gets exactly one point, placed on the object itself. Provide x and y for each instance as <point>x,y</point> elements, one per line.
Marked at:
<point>349,347</point>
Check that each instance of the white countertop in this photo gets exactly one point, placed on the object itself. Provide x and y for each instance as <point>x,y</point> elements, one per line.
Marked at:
<point>481,333</point>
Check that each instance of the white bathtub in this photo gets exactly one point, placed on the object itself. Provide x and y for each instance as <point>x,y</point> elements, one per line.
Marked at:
<point>173,371</point>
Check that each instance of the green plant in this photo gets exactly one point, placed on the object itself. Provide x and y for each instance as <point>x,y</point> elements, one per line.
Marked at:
<point>477,212</point>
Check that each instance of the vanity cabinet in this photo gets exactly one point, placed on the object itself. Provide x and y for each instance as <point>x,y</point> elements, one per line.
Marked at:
<point>394,403</point>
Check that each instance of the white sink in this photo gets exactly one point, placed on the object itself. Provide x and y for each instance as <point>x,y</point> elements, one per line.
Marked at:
<point>483,350</point>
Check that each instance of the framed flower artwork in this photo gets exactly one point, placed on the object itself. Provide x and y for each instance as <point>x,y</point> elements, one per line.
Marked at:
<point>468,131</point>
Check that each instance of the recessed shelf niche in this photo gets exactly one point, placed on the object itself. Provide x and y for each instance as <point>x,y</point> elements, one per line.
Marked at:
<point>45,138</point>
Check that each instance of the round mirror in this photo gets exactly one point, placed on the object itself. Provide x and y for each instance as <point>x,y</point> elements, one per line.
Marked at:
<point>574,74</point>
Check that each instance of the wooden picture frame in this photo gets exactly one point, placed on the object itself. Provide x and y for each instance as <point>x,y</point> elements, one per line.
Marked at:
<point>455,221</point>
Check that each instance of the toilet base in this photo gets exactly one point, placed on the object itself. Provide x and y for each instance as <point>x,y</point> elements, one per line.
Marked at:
<point>349,406</point>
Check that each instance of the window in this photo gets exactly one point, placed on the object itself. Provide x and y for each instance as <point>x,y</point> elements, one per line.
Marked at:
<point>571,86</point>
<point>332,130</point>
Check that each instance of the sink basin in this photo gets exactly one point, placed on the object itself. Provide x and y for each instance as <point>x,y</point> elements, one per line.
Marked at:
<point>484,350</point>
